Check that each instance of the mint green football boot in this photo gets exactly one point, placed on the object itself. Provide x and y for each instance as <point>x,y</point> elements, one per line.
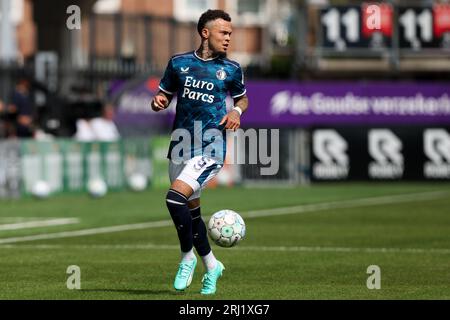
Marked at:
<point>210,279</point>
<point>184,275</point>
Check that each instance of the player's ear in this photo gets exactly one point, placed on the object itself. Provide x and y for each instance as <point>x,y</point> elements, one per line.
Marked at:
<point>205,33</point>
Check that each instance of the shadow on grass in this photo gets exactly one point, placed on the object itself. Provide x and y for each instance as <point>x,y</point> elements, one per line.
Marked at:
<point>133,291</point>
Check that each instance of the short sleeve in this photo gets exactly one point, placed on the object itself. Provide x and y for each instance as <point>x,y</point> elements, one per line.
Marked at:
<point>237,87</point>
<point>168,83</point>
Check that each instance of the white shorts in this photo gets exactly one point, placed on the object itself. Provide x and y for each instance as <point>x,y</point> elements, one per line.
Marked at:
<point>196,172</point>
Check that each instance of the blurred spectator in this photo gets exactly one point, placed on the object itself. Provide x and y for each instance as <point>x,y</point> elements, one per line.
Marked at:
<point>84,132</point>
<point>104,127</point>
<point>98,129</point>
<point>7,120</point>
<point>21,110</point>
<point>3,118</point>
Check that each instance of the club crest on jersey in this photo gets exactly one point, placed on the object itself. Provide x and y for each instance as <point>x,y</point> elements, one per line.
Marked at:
<point>184,70</point>
<point>221,74</point>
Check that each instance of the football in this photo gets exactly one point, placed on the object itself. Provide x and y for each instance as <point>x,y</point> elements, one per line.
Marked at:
<point>226,228</point>
<point>41,190</point>
<point>97,188</point>
<point>137,182</point>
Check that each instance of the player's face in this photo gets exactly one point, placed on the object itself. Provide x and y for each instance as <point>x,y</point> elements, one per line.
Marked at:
<point>219,36</point>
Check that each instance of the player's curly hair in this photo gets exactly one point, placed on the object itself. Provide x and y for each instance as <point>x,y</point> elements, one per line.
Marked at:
<point>211,15</point>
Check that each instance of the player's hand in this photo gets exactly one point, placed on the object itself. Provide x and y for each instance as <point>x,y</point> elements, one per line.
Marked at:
<point>159,103</point>
<point>232,120</point>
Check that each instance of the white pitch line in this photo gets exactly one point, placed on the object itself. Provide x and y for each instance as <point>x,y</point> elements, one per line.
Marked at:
<point>21,219</point>
<point>87,232</point>
<point>150,246</point>
<point>374,201</point>
<point>345,204</point>
<point>38,224</point>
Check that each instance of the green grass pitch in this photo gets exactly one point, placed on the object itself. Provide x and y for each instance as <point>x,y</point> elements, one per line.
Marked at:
<point>313,252</point>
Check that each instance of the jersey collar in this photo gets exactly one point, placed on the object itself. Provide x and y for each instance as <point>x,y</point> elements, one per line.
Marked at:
<point>210,59</point>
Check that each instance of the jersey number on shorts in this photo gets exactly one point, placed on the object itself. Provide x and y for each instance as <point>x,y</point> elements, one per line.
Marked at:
<point>201,163</point>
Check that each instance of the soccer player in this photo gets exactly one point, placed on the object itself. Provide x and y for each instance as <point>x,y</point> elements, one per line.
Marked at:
<point>201,80</point>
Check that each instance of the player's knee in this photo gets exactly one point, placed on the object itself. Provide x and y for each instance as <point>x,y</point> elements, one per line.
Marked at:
<point>175,198</point>
<point>182,187</point>
<point>194,203</point>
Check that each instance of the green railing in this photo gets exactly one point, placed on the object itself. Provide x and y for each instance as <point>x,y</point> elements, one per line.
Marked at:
<point>67,165</point>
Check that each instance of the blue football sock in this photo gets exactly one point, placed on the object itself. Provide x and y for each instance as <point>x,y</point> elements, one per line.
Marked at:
<point>200,240</point>
<point>179,211</point>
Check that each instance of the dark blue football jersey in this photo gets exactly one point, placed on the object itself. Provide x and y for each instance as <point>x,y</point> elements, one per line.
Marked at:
<point>201,87</point>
